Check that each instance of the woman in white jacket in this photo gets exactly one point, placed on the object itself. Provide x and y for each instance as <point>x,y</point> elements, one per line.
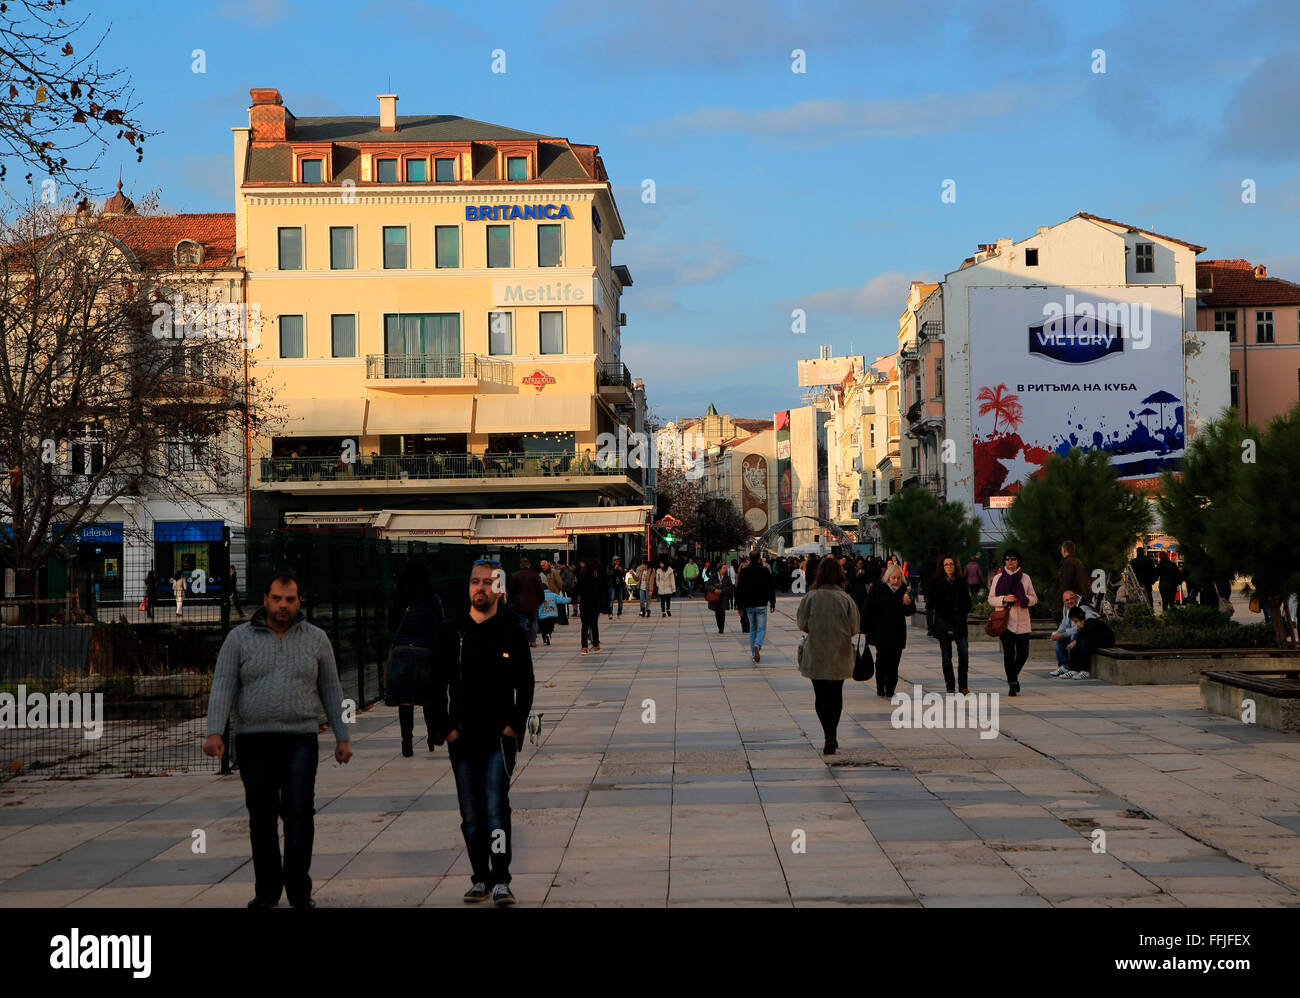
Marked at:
<point>665,586</point>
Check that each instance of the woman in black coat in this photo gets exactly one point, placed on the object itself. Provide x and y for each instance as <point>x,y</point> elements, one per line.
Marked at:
<point>414,617</point>
<point>1168,578</point>
<point>884,622</point>
<point>949,597</point>
<point>592,596</point>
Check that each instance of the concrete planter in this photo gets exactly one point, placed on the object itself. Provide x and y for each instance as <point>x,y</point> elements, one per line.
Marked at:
<point>1168,666</point>
<point>1275,695</point>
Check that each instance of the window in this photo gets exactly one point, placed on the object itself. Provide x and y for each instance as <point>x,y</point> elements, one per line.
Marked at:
<point>394,247</point>
<point>552,332</point>
<point>1233,382</point>
<point>196,364</point>
<point>501,333</point>
<point>313,171</point>
<point>548,246</point>
<point>873,436</point>
<point>87,457</point>
<point>435,334</point>
<point>444,170</point>
<point>417,171</point>
<point>290,249</point>
<point>343,335</point>
<point>180,456</point>
<point>516,167</point>
<point>386,171</point>
<point>1226,322</point>
<point>498,246</point>
<point>595,218</point>
<point>1146,258</point>
<point>446,246</point>
<point>938,377</point>
<point>291,337</point>
<point>1031,258</point>
<point>1264,326</point>
<point>343,247</point>
<point>916,388</point>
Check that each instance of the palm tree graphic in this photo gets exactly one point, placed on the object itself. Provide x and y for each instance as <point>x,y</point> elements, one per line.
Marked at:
<point>1005,407</point>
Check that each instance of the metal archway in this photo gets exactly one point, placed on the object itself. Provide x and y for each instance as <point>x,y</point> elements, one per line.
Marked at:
<point>767,540</point>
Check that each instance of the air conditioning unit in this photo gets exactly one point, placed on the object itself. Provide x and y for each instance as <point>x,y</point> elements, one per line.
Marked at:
<point>622,318</point>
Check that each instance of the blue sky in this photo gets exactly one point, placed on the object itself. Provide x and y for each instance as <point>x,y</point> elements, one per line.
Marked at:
<point>777,190</point>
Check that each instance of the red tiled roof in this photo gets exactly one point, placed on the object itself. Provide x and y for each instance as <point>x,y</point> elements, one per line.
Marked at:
<point>753,425</point>
<point>1125,225</point>
<point>1233,282</point>
<point>153,238</point>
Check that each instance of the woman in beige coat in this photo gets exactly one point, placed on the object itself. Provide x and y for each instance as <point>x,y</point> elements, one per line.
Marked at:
<point>829,617</point>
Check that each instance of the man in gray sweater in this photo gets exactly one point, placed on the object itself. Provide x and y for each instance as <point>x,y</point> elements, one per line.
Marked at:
<point>277,672</point>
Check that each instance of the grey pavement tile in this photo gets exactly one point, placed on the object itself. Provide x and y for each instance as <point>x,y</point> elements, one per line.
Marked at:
<point>1291,821</point>
<point>918,830</point>
<point>194,870</point>
<point>110,850</point>
<point>715,795</point>
<point>784,775</point>
<point>800,795</point>
<point>626,798</point>
<point>323,867</point>
<point>103,813</point>
<point>1196,868</point>
<point>433,863</point>
<point>22,815</point>
<point>435,802</point>
<point>62,876</point>
<point>548,799</point>
<point>362,804</point>
<point>1021,829</point>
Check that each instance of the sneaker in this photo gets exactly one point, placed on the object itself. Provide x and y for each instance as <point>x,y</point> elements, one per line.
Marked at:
<point>1083,675</point>
<point>1067,675</point>
<point>1058,671</point>
<point>479,892</point>
<point>596,650</point>
<point>756,654</point>
<point>584,651</point>
<point>501,895</point>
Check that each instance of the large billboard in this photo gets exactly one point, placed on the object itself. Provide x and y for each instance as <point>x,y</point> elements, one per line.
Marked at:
<point>827,370</point>
<point>784,486</point>
<point>753,477</point>
<point>1091,367</point>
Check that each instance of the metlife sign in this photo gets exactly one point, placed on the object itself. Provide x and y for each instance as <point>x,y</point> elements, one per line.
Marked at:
<point>546,292</point>
<point>1094,368</point>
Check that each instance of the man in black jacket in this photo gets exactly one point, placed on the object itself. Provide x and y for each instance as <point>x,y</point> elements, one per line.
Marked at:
<point>753,592</point>
<point>884,622</point>
<point>486,694</point>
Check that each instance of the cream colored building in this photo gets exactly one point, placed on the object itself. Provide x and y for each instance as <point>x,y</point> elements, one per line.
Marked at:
<point>441,318</point>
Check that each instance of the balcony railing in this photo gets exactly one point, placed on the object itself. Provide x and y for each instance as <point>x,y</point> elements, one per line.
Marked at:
<point>435,466</point>
<point>435,365</point>
<point>615,375</point>
<point>914,412</point>
<point>931,330</point>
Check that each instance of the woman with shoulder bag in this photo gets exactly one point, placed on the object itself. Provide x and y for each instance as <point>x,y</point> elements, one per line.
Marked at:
<point>716,592</point>
<point>1012,589</point>
<point>415,617</point>
<point>829,618</point>
<point>948,595</point>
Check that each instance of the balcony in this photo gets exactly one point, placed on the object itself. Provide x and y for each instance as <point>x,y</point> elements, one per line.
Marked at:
<point>615,382</point>
<point>932,330</point>
<point>932,484</point>
<point>443,369</point>
<point>914,412</point>
<point>430,467</point>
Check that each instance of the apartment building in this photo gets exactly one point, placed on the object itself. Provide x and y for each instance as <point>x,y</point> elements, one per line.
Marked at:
<point>442,320</point>
<point>920,385</point>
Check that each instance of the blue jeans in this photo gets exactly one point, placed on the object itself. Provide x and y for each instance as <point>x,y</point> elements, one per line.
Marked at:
<point>279,776</point>
<point>757,625</point>
<point>645,601</point>
<point>616,596</point>
<point>483,787</point>
<point>1062,653</point>
<point>528,621</point>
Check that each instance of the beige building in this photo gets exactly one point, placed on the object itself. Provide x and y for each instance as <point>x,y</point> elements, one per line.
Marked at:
<point>441,318</point>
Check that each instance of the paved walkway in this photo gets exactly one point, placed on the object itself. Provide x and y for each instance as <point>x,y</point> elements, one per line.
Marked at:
<point>707,804</point>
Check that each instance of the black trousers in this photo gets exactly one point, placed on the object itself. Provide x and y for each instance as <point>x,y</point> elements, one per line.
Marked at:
<point>828,698</point>
<point>590,625</point>
<point>665,603</point>
<point>887,659</point>
<point>720,612</point>
<point>279,775</point>
<point>1015,651</point>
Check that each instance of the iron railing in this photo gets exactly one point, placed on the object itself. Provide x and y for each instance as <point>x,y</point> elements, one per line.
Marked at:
<point>436,365</point>
<point>435,466</point>
<point>615,374</point>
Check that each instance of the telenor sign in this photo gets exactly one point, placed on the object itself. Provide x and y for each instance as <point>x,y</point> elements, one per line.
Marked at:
<point>538,379</point>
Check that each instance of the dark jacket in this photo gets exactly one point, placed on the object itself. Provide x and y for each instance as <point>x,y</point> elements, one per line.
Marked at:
<point>950,601</point>
<point>884,616</point>
<point>486,680</point>
<point>859,584</point>
<point>1145,570</point>
<point>753,586</point>
<point>415,617</point>
<point>593,594</point>
<point>525,592</point>
<point>1169,576</point>
<point>1072,576</point>
<point>1096,632</point>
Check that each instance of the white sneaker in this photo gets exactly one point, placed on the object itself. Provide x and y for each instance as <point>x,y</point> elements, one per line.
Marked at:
<point>1058,671</point>
<point>1067,675</point>
<point>1081,675</point>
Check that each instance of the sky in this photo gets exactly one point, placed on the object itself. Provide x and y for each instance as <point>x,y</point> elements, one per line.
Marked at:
<point>749,189</point>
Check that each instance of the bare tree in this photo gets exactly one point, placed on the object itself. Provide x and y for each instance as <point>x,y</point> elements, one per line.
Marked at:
<point>117,379</point>
<point>55,100</point>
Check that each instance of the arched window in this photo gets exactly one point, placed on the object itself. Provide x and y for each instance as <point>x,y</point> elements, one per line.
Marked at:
<point>189,252</point>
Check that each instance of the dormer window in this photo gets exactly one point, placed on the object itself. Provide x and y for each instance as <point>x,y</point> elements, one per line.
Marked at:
<point>386,171</point>
<point>417,171</point>
<point>188,253</point>
<point>516,167</point>
<point>445,170</point>
<point>313,171</point>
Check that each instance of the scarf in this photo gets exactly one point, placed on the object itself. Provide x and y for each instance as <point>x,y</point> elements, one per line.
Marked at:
<point>1010,584</point>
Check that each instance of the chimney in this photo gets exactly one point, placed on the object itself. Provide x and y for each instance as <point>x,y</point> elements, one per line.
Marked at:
<point>1042,230</point>
<point>1260,271</point>
<point>388,112</point>
<point>268,118</point>
<point>1004,245</point>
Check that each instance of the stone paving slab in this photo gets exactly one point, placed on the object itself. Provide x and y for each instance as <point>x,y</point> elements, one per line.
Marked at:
<point>726,800</point>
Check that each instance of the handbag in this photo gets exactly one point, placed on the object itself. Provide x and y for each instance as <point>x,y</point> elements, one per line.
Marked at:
<point>1254,604</point>
<point>409,673</point>
<point>998,622</point>
<point>712,596</point>
<point>144,604</point>
<point>864,666</point>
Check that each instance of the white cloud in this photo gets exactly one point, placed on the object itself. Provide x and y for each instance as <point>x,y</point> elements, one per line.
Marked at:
<point>883,294</point>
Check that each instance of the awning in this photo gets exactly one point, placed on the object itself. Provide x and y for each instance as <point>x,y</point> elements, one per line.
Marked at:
<point>322,417</point>
<point>421,523</point>
<point>362,519</point>
<point>532,413</point>
<point>614,520</point>
<point>419,414</point>
<point>517,530</point>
